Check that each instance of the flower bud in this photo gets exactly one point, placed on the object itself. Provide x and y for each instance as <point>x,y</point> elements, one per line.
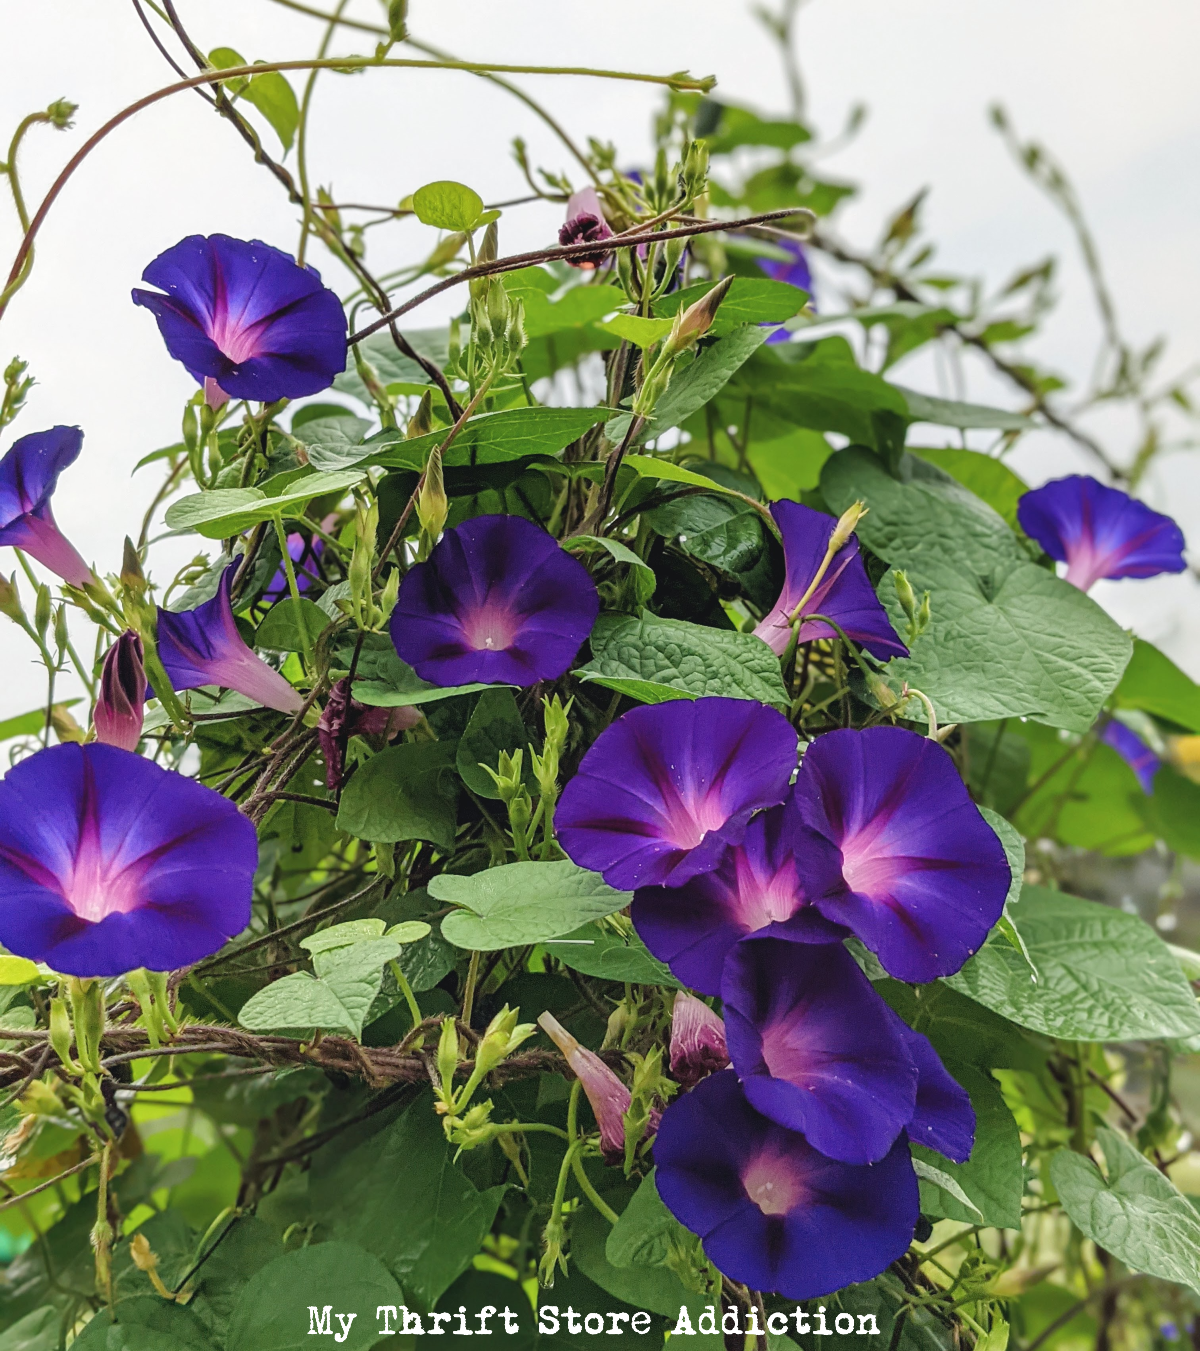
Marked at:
<point>607,1094</point>
<point>473,1128</point>
<point>585,223</point>
<point>421,422</point>
<point>697,1040</point>
<point>10,598</point>
<point>489,247</point>
<point>694,322</point>
<point>65,726</point>
<point>432,504</point>
<point>60,1034</point>
<point>447,1057</point>
<point>60,113</point>
<point>42,610</point>
<point>641,1117</point>
<point>504,1034</point>
<point>508,779</point>
<point>132,577</point>
<point>904,593</point>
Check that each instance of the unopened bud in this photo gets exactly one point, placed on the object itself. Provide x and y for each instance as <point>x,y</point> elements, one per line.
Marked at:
<point>65,726</point>
<point>62,635</point>
<point>117,716</point>
<point>504,1034</point>
<point>60,113</point>
<point>447,1056</point>
<point>421,422</point>
<point>132,576</point>
<point>10,597</point>
<point>694,322</point>
<point>489,248</point>
<point>432,503</point>
<point>607,1094</point>
<point>42,610</point>
<point>904,593</point>
<point>397,17</point>
<point>508,778</point>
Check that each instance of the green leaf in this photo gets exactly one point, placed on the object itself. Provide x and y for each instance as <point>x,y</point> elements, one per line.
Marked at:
<point>1014,851</point>
<point>750,300</point>
<point>225,58</point>
<point>1153,683</point>
<point>643,1234</point>
<point>790,465</point>
<point>343,935</point>
<point>1102,975</point>
<point>398,373</point>
<point>19,971</point>
<point>521,903</point>
<point>37,1331</point>
<point>650,466</point>
<point>144,1324</point>
<point>1135,1212</point>
<point>950,413</point>
<point>495,726</point>
<point>274,97</point>
<point>1008,638</point>
<point>224,512</point>
<point>331,442</point>
<point>723,532</point>
<point>693,386</point>
<point>644,578</point>
<point>576,307</point>
<point>993,1178</point>
<point>984,475</point>
<point>1175,811</point>
<point>447,206</point>
<point>272,1311</point>
<point>407,792</point>
<point>31,723</point>
<point>928,1172</point>
<point>740,126</point>
<point>962,1031</point>
<point>510,434</point>
<point>655,659</point>
<point>637,329</point>
<point>384,681</point>
<point>337,999</point>
<point>644,1285</point>
<point>288,629</point>
<point>607,956</point>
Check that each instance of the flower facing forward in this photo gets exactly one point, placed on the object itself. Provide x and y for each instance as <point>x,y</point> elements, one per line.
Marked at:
<point>697,1040</point>
<point>1099,531</point>
<point>246,316</point>
<point>843,592</point>
<point>922,877</point>
<point>667,787</point>
<point>1133,750</point>
<point>498,601</point>
<point>585,224</point>
<point>109,863</point>
<point>753,887</point>
<point>28,476</point>
<point>203,647</point>
<point>771,1210</point>
<point>118,714</point>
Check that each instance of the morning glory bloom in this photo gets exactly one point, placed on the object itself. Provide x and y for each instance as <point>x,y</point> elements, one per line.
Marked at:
<point>1099,531</point>
<point>922,876</point>
<point>28,476</point>
<point>109,862</point>
<point>498,600</point>
<point>844,593</point>
<point>585,223</point>
<point>203,647</point>
<point>1133,750</point>
<point>247,316</point>
<point>305,554</point>
<point>816,1048</point>
<point>663,790</point>
<point>697,1040</point>
<point>118,714</point>
<point>772,1211</point>
<point>943,1118</point>
<point>752,888</point>
<point>793,269</point>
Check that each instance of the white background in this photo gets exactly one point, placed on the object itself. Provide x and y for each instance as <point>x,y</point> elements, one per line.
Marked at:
<point>1110,86</point>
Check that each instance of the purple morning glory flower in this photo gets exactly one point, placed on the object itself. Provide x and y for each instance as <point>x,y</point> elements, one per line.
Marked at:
<point>772,1211</point>
<point>794,269</point>
<point>585,223</point>
<point>109,862</point>
<point>753,887</point>
<point>923,877</point>
<point>608,1096</point>
<point>28,476</point>
<point>203,647</point>
<point>499,601</point>
<point>943,1118</point>
<point>246,316</point>
<point>697,1040</point>
<point>1133,750</point>
<point>664,789</point>
<point>844,593</point>
<point>118,714</point>
<point>815,1047</point>
<point>305,554</point>
<point>1100,532</point>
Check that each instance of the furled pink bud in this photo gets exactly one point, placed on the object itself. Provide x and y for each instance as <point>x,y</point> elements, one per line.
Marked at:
<point>697,1040</point>
<point>118,713</point>
<point>214,395</point>
<point>607,1094</point>
<point>344,717</point>
<point>585,223</point>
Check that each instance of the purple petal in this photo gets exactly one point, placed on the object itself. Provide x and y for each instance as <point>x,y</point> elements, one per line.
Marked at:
<point>203,647</point>
<point>815,1047</point>
<point>923,876</point>
<point>607,1095</point>
<point>772,1211</point>
<point>28,476</point>
<point>499,601</point>
<point>844,594</point>
<point>664,789</point>
<point>944,1118</point>
<point>118,714</point>
<point>585,223</point>
<point>795,270</point>
<point>697,1040</point>
<point>1134,751</point>
<point>752,887</point>
<point>1099,531</point>
<point>108,863</point>
<point>246,315</point>
<point>305,554</point>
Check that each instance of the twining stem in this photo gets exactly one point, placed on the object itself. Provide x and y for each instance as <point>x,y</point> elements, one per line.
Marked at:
<point>302,131</point>
<point>469,992</point>
<point>407,991</point>
<point>293,585</point>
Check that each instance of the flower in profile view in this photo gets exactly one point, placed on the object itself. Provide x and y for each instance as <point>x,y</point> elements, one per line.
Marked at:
<point>608,1096</point>
<point>203,647</point>
<point>922,876</point>
<point>667,787</point>
<point>943,1118</point>
<point>28,476</point>
<point>844,593</point>
<point>585,224</point>
<point>815,1047</point>
<point>1099,531</point>
<point>498,600</point>
<point>793,269</point>
<point>246,316</point>
<point>697,1040</point>
<point>753,887</point>
<point>109,863</point>
<point>770,1209</point>
<point>118,714</point>
<point>1133,750</point>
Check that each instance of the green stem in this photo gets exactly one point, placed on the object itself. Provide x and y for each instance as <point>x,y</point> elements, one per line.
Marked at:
<point>407,991</point>
<point>293,587</point>
<point>591,1193</point>
<point>302,131</point>
<point>10,166</point>
<point>468,1003</point>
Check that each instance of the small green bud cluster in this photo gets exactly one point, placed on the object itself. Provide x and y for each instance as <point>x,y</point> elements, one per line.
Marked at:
<point>466,1126</point>
<point>918,615</point>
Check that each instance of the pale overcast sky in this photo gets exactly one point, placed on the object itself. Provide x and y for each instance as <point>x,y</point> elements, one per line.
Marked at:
<point>1108,85</point>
